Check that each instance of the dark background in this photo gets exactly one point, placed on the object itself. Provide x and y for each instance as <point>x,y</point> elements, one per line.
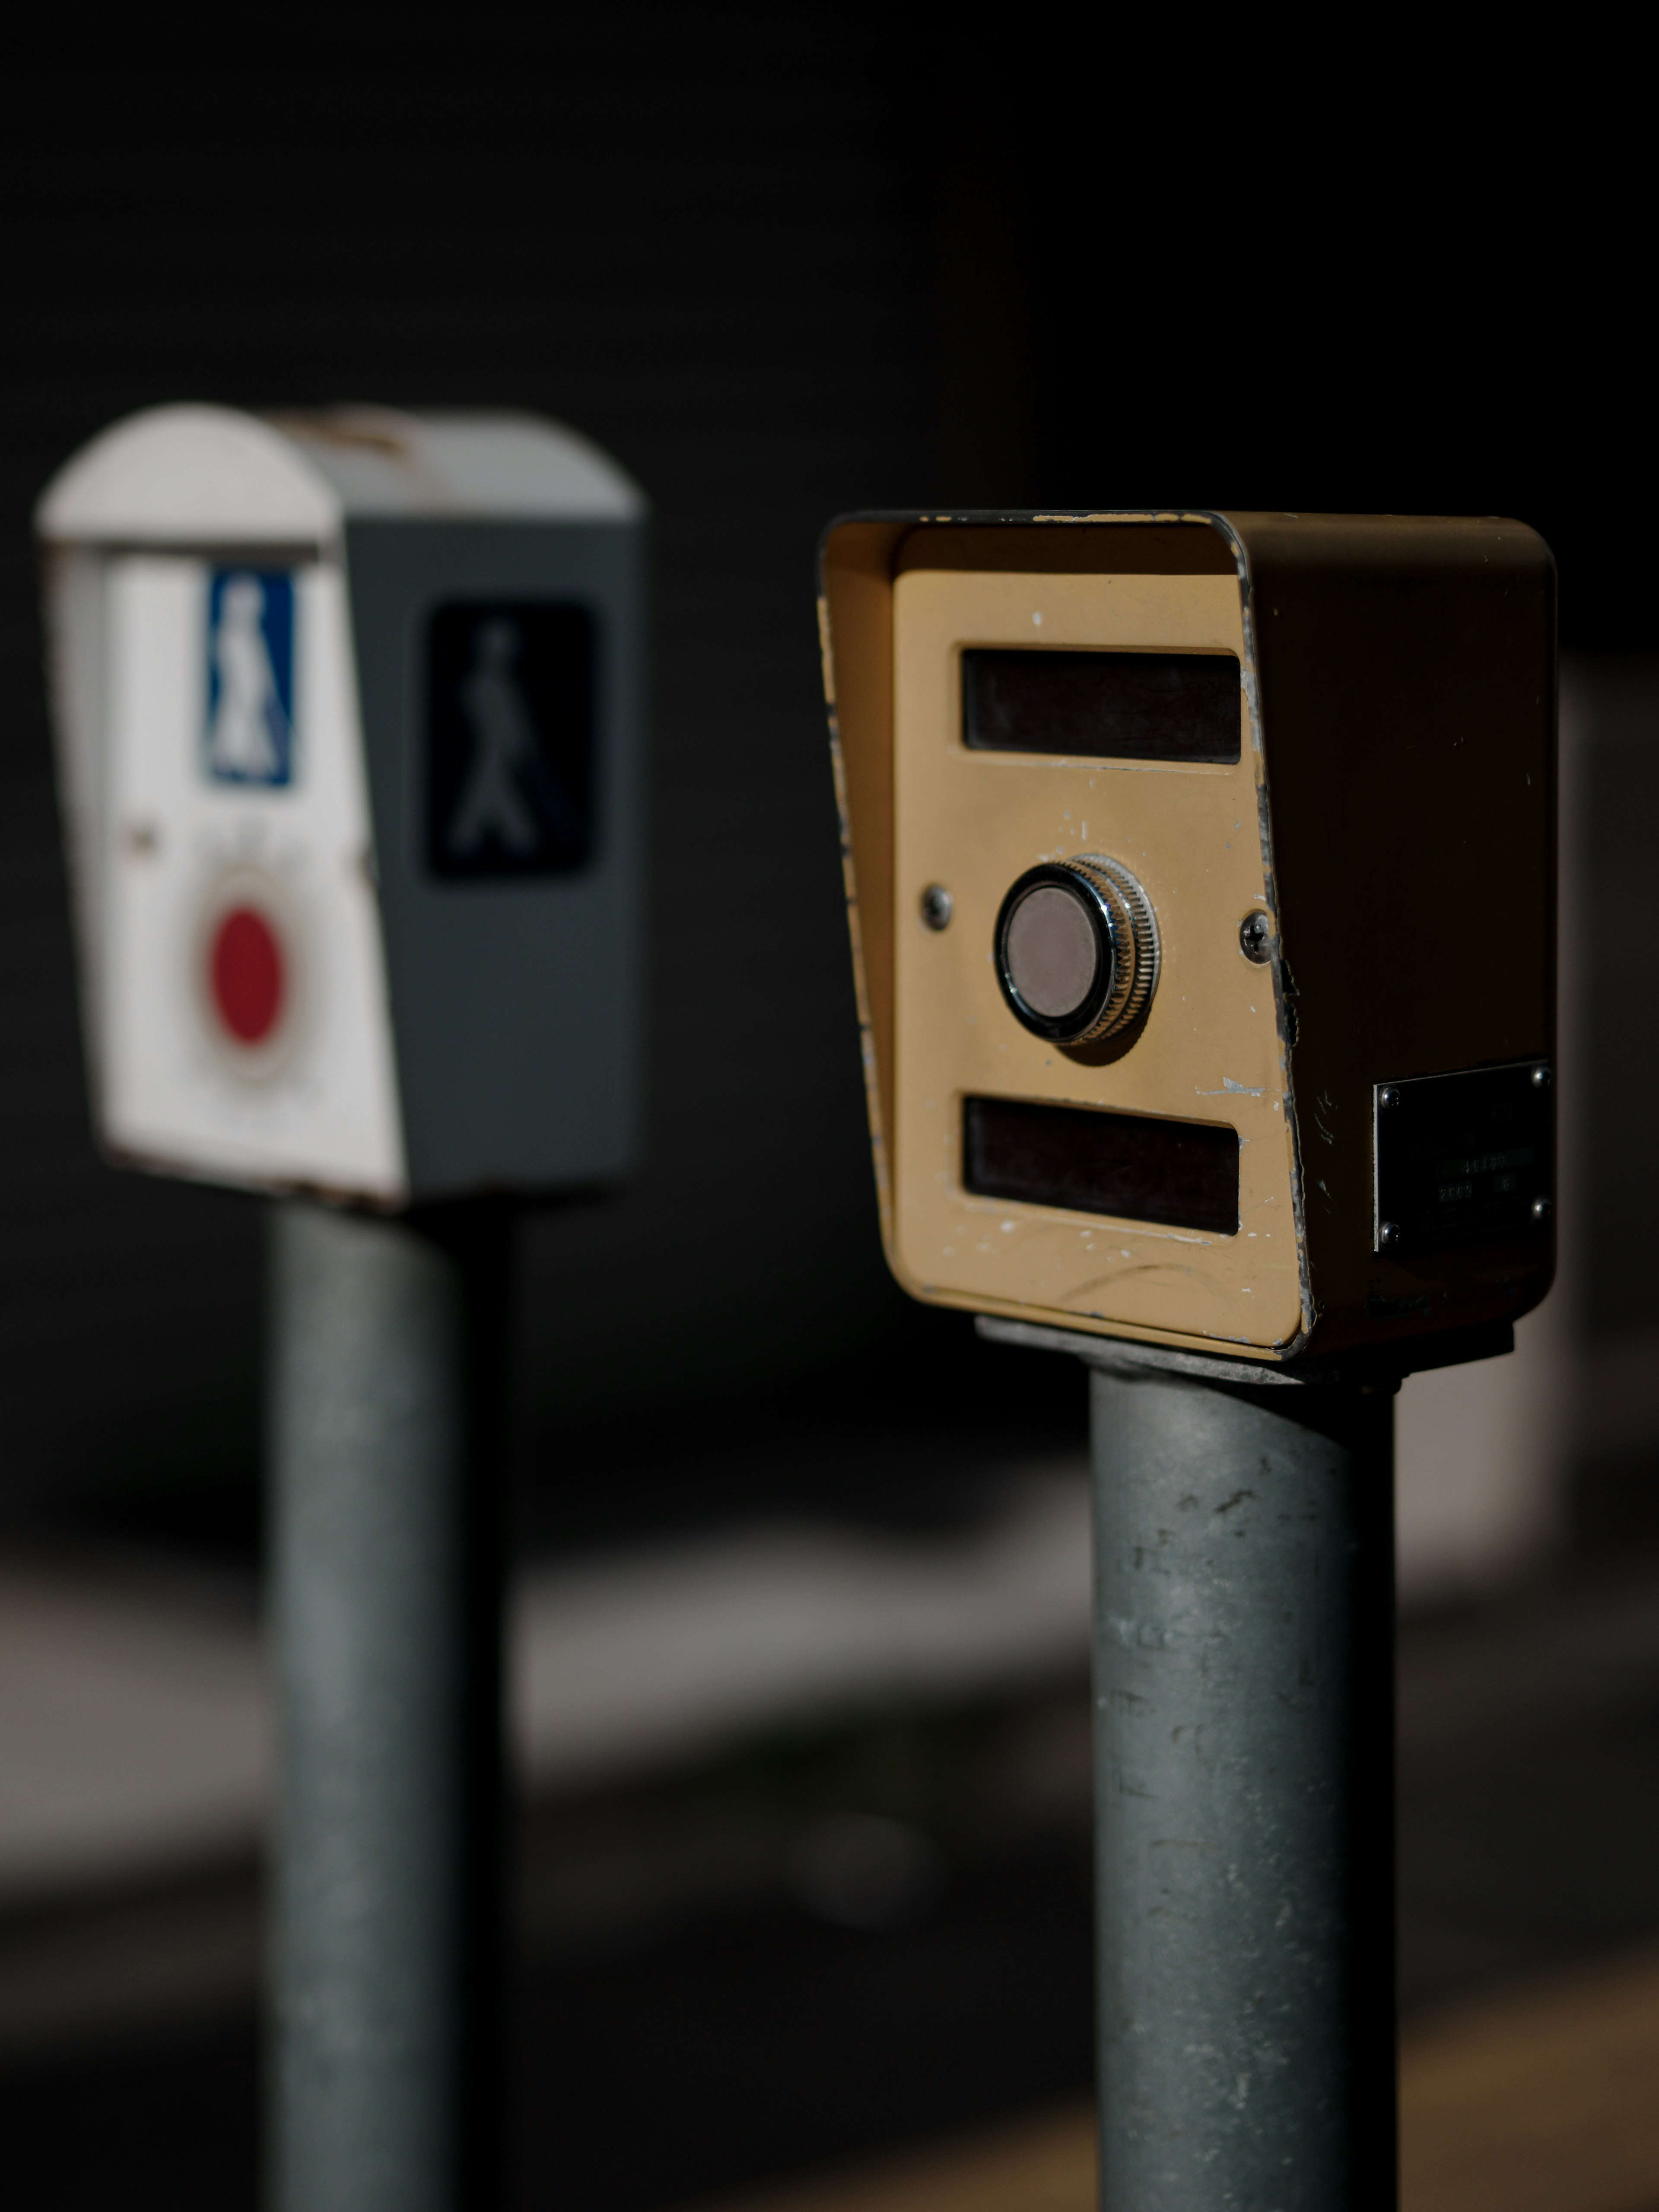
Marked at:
<point>781,264</point>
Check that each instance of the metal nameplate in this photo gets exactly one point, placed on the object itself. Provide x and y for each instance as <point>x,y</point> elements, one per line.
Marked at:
<point>1462,1158</point>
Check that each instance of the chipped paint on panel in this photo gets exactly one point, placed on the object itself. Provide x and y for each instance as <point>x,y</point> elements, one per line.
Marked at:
<point>976,820</point>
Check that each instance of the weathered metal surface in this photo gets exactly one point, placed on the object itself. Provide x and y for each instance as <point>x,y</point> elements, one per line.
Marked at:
<point>1244,1793</point>
<point>1280,882</point>
<point>387,1621</point>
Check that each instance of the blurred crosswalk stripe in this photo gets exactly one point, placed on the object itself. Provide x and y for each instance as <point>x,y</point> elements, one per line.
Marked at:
<point>1542,2100</point>
<point>1545,2100</point>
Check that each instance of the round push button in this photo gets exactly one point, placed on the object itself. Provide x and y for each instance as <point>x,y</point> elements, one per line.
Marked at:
<point>246,974</point>
<point>1052,951</point>
<point>1076,948</point>
<point>252,971</point>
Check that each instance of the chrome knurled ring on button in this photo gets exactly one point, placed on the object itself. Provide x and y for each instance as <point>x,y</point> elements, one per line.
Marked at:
<point>1121,916</point>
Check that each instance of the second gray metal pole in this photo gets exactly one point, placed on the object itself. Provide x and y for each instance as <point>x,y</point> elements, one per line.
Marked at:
<point>1244,1660</point>
<point>384,1390</point>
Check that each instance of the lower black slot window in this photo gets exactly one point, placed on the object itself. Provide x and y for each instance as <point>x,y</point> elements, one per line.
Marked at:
<point>1182,1174</point>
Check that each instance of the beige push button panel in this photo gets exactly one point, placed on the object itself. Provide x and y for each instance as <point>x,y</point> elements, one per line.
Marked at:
<point>1090,1102</point>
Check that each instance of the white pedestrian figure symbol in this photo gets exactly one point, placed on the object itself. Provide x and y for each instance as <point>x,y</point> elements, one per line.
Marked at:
<point>492,802</point>
<point>248,739</point>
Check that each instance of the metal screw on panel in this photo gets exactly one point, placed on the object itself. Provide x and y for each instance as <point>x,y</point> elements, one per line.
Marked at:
<point>1388,1095</point>
<point>1389,1233</point>
<point>1541,1078</point>
<point>1541,1209</point>
<point>1255,936</point>
<point>937,907</point>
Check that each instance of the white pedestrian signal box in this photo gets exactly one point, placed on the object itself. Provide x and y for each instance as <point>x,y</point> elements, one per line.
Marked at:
<point>349,710</point>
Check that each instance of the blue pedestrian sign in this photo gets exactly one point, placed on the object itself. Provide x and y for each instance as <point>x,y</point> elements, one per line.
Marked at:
<point>249,739</point>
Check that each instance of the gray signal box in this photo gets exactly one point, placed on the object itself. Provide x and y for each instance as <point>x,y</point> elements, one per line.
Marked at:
<point>350,714</point>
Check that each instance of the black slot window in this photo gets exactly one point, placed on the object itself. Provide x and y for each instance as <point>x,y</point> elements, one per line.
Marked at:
<point>1183,1174</point>
<point>1102,706</point>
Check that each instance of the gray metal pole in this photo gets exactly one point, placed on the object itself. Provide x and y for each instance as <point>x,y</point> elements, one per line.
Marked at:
<point>385,1373</point>
<point>1244,1739</point>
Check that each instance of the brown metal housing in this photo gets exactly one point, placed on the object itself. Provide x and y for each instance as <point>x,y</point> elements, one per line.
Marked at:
<point>1395,799</point>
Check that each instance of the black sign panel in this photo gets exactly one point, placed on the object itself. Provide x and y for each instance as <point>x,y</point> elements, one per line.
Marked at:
<point>1462,1157</point>
<point>1136,1166</point>
<point>510,787</point>
<point>1102,706</point>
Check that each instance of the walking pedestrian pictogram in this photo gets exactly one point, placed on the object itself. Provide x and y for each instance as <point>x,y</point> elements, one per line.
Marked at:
<point>250,677</point>
<point>509,770</point>
<point>492,803</point>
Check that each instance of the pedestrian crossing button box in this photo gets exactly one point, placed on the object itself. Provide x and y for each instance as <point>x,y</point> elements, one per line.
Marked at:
<point>1201,874</point>
<point>348,709</point>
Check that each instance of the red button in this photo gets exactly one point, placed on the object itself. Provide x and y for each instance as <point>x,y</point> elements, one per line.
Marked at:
<point>244,968</point>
